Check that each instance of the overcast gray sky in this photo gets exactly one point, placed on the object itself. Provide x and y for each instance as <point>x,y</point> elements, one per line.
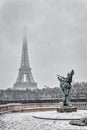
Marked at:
<point>57,39</point>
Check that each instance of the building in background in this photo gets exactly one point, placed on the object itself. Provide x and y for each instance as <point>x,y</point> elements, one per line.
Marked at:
<point>25,78</point>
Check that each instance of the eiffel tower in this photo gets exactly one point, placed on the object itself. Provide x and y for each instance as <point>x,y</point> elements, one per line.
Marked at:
<point>25,78</point>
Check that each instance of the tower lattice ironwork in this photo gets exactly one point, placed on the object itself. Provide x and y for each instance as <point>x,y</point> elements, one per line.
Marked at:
<point>25,78</point>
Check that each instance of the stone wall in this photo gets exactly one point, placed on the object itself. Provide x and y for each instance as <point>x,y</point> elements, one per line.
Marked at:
<point>80,105</point>
<point>38,107</point>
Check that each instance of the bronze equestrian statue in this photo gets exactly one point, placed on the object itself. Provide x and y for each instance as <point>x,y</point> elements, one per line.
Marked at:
<point>65,84</point>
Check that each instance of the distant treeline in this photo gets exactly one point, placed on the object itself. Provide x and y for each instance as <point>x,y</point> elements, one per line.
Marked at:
<point>78,92</point>
<point>39,101</point>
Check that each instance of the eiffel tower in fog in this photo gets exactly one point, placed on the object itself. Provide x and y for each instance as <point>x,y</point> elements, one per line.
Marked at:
<point>25,78</point>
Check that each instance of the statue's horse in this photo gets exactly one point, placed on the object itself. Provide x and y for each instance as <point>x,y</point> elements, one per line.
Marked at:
<point>65,84</point>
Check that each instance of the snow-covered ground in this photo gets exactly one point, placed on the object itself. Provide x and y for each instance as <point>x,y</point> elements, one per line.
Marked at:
<point>25,121</point>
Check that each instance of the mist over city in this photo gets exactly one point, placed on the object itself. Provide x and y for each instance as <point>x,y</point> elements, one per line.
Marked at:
<point>56,35</point>
<point>43,64</point>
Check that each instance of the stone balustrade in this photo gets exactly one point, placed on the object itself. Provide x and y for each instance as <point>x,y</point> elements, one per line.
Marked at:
<point>38,107</point>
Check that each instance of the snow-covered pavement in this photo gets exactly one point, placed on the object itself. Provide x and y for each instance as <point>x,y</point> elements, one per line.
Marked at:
<point>25,121</point>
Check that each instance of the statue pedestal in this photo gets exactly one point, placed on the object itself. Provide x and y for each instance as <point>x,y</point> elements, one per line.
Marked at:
<point>66,109</point>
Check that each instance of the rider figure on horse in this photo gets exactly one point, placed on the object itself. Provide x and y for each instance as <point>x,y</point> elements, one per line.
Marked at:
<point>65,84</point>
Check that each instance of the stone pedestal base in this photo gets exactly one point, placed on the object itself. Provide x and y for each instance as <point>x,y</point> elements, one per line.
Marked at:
<point>66,109</point>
